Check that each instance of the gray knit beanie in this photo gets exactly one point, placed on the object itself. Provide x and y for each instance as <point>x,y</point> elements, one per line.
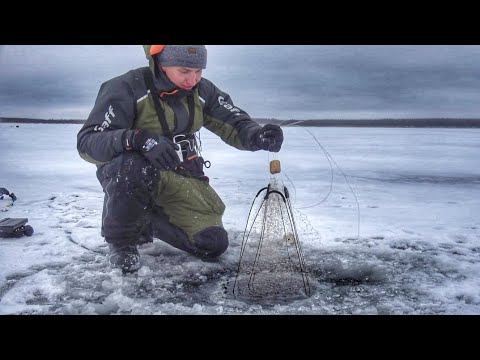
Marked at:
<point>189,56</point>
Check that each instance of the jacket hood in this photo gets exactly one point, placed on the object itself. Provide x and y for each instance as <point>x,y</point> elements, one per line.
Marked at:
<point>149,57</point>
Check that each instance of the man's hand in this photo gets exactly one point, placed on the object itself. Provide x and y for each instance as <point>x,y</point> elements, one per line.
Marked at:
<point>269,138</point>
<point>159,150</point>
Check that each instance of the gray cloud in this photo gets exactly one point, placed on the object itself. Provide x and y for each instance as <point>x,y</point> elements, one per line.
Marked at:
<point>59,81</point>
<point>281,81</point>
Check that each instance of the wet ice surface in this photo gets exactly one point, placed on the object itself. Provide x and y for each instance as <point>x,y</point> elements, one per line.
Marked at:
<point>415,251</point>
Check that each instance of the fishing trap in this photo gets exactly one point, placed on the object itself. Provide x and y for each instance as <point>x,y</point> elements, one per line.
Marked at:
<point>272,264</point>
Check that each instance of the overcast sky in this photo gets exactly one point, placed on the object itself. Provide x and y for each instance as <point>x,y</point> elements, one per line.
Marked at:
<point>268,81</point>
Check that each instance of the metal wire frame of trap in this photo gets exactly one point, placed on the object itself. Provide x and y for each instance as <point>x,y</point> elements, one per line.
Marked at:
<point>277,266</point>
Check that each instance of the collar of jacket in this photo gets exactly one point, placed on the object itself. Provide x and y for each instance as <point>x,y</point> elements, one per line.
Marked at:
<point>167,89</point>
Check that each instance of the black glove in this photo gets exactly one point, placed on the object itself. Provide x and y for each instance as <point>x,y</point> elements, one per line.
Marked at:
<point>159,150</point>
<point>269,138</point>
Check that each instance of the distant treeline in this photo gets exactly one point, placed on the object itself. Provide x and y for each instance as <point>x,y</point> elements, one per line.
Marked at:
<point>421,122</point>
<point>39,121</point>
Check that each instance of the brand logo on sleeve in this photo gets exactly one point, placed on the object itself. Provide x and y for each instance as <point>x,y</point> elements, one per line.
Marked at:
<point>106,123</point>
<point>226,105</point>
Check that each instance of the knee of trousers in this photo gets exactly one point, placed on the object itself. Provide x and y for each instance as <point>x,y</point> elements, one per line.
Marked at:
<point>211,242</point>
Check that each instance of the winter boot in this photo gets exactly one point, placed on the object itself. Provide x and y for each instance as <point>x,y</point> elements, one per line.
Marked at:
<point>125,257</point>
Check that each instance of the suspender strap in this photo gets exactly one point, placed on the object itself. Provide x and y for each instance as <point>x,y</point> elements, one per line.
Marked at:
<point>147,75</point>
<point>191,113</point>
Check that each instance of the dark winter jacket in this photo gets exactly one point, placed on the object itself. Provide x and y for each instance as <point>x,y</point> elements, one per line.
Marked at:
<point>125,103</point>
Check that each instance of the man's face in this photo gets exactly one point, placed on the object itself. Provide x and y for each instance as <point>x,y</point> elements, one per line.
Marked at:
<point>184,78</point>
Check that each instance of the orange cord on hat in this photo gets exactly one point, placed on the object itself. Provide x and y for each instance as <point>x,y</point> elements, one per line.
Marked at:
<point>156,49</point>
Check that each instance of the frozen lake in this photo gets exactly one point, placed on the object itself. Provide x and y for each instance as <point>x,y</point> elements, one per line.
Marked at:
<point>398,232</point>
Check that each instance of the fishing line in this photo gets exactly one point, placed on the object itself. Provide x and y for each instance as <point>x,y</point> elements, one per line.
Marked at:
<point>329,159</point>
<point>70,238</point>
<point>332,162</point>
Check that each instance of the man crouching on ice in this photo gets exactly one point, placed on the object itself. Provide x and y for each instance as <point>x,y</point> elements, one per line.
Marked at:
<point>141,135</point>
